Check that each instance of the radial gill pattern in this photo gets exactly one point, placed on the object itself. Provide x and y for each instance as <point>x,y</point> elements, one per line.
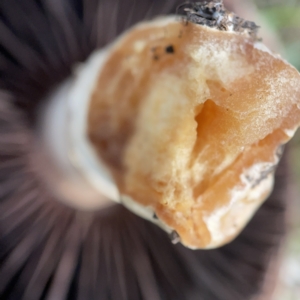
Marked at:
<point>51,251</point>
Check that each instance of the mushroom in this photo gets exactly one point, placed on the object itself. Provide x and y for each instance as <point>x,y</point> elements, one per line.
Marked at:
<point>61,235</point>
<point>184,123</point>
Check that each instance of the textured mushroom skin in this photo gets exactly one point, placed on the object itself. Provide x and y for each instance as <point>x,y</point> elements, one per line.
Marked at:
<point>191,122</point>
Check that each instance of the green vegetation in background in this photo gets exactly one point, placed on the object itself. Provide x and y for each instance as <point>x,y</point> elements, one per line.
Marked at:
<point>284,17</point>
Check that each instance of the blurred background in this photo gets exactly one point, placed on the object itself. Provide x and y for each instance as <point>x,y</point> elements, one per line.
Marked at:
<point>68,262</point>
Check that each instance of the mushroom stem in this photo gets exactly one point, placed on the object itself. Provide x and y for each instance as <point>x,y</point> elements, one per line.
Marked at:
<point>73,170</point>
